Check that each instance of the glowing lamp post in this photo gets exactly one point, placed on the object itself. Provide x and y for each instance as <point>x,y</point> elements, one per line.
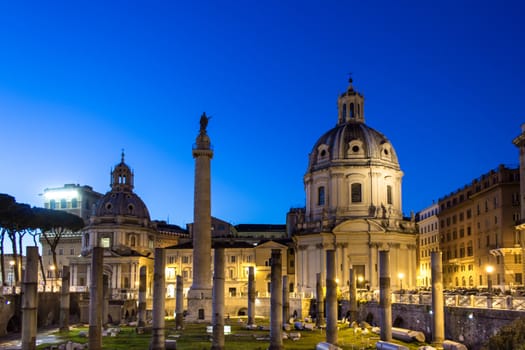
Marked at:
<point>401,275</point>
<point>489,269</point>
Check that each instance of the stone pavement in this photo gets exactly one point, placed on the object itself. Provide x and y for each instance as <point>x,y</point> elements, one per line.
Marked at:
<point>14,341</point>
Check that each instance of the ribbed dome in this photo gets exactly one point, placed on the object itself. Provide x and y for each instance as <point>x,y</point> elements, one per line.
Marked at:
<point>121,201</point>
<point>352,143</point>
<point>121,204</point>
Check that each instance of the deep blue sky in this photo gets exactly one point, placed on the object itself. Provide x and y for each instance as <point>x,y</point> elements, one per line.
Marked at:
<point>80,80</point>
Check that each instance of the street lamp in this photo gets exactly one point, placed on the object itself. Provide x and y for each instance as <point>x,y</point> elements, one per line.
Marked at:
<point>489,269</point>
<point>360,280</point>
<point>401,275</point>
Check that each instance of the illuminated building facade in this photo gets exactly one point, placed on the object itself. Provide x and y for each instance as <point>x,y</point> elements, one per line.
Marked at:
<point>428,241</point>
<point>353,205</point>
<point>477,232</point>
<point>77,200</point>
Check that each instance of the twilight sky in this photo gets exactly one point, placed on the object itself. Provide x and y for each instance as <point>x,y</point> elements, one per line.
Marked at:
<point>81,80</point>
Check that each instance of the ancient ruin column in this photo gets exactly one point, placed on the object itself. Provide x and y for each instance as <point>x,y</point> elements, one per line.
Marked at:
<point>30,300</point>
<point>218,300</point>
<point>179,303</point>
<point>105,296</point>
<point>438,310</point>
<point>251,295</point>
<point>159,301</point>
<point>199,295</point>
<point>353,296</point>
<point>286,300</point>
<point>276,303</point>
<point>385,298</point>
<point>319,318</point>
<point>331,298</point>
<point>141,312</point>
<point>96,299</point>
<point>64,301</point>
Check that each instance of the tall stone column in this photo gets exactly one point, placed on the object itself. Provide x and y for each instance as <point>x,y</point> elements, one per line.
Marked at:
<point>319,318</point>
<point>331,298</point>
<point>96,299</point>
<point>218,299</point>
<point>286,300</point>
<point>30,300</point>
<point>385,298</point>
<point>353,296</point>
<point>251,295</point>
<point>64,300</point>
<point>438,309</point>
<point>276,303</point>
<point>199,295</point>
<point>159,302</point>
<point>141,312</point>
<point>179,303</point>
<point>105,296</point>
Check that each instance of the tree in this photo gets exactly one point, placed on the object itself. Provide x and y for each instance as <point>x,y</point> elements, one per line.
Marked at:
<point>6,203</point>
<point>15,221</point>
<point>53,225</point>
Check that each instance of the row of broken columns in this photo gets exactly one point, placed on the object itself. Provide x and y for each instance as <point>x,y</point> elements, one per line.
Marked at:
<point>279,305</point>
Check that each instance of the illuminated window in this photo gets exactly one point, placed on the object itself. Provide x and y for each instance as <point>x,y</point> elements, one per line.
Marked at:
<point>105,242</point>
<point>356,193</point>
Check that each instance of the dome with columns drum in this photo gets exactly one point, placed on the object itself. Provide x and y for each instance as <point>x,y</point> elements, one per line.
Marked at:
<point>353,170</point>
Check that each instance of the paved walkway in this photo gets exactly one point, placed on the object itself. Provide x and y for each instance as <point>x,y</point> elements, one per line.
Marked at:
<point>14,341</point>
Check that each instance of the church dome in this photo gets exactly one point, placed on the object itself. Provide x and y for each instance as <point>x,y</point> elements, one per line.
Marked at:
<point>122,204</point>
<point>121,200</point>
<point>351,141</point>
<point>353,170</point>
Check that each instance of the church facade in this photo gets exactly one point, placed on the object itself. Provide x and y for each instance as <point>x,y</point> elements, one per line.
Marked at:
<point>353,206</point>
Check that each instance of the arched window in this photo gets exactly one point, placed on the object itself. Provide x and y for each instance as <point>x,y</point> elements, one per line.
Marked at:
<point>389,194</point>
<point>344,111</point>
<point>74,203</point>
<point>132,241</point>
<point>358,110</point>
<point>63,204</point>
<point>352,116</point>
<point>356,193</point>
<point>320,196</point>
<point>52,204</point>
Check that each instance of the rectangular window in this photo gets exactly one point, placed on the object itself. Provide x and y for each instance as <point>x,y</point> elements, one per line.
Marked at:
<point>518,278</point>
<point>72,251</point>
<point>185,259</point>
<point>320,195</point>
<point>389,194</point>
<point>356,193</point>
<point>105,242</point>
<point>232,259</point>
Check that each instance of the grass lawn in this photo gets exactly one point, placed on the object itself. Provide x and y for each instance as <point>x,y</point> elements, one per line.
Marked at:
<point>194,337</point>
